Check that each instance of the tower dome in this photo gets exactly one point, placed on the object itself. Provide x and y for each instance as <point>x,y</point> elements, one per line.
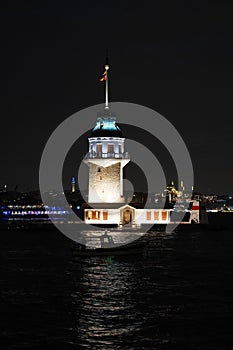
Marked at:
<point>106,127</point>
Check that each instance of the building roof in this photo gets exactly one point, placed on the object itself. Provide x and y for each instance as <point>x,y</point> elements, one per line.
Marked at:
<point>106,127</point>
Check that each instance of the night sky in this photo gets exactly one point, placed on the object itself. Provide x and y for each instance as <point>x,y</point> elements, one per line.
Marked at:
<point>174,57</point>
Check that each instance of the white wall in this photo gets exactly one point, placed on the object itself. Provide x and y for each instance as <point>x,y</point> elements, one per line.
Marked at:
<point>116,141</point>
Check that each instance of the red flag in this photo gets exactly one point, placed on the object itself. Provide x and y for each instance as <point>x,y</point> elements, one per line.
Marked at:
<point>104,77</point>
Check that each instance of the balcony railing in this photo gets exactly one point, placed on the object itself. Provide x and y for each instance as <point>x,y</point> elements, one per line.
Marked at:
<point>100,155</point>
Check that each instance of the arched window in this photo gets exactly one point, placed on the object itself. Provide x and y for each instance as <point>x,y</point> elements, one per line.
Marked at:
<point>110,148</point>
<point>99,148</point>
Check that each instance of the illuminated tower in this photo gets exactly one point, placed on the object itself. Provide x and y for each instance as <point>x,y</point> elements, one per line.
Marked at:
<point>73,184</point>
<point>107,157</point>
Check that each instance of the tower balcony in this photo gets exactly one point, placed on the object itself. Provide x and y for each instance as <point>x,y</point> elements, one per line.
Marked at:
<point>112,155</point>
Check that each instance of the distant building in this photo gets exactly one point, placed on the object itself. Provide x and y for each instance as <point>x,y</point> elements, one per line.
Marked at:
<point>73,185</point>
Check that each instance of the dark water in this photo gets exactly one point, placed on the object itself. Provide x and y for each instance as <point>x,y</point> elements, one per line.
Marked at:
<point>179,295</point>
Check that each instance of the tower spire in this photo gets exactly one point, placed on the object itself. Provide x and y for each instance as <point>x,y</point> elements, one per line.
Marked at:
<point>105,78</point>
<point>106,82</point>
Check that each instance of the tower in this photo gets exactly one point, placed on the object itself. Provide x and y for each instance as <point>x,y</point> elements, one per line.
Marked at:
<point>73,185</point>
<point>106,157</point>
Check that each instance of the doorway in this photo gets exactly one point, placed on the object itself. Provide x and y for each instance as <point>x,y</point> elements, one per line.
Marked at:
<point>127,216</point>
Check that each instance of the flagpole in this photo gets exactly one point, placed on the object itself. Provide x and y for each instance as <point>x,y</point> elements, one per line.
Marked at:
<point>106,87</point>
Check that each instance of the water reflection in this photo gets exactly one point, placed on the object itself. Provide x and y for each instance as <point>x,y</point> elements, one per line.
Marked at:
<point>105,306</point>
<point>175,297</point>
<point>124,303</point>
<point>129,303</point>
<point>92,239</point>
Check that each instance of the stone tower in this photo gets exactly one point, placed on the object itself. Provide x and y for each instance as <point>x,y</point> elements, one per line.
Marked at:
<point>106,157</point>
<point>106,160</point>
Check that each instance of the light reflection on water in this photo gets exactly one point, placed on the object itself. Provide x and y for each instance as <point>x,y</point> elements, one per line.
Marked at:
<point>115,300</point>
<point>105,302</point>
<point>177,296</point>
<point>92,238</point>
<point>107,315</point>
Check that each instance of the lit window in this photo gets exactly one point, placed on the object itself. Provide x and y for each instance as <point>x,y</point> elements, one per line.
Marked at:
<point>164,215</point>
<point>110,148</point>
<point>105,215</point>
<point>99,148</point>
<point>89,215</point>
<point>156,215</point>
<point>96,215</point>
<point>148,215</point>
